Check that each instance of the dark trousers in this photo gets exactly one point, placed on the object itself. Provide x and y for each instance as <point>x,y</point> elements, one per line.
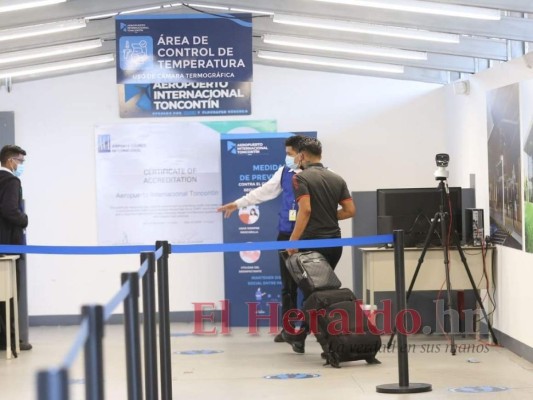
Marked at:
<point>289,290</point>
<point>333,255</point>
<point>12,311</point>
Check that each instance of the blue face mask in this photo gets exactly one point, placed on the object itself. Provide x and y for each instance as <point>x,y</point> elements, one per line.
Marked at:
<point>289,162</point>
<point>20,169</point>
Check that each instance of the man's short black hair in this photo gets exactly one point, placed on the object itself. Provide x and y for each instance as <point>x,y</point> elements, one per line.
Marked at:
<point>10,150</point>
<point>295,141</point>
<point>311,146</point>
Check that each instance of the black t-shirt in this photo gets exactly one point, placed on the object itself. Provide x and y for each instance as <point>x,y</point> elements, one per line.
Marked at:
<point>326,190</point>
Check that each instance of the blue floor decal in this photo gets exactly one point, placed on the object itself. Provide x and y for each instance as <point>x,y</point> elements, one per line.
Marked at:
<point>292,376</point>
<point>479,389</point>
<point>196,352</point>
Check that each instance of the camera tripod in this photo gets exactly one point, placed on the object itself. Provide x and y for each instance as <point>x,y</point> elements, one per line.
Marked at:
<point>442,217</point>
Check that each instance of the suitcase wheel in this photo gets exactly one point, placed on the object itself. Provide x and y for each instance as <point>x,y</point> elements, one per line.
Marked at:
<point>373,360</point>
<point>334,359</point>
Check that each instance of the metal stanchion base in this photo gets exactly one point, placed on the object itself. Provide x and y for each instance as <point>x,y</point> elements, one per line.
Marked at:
<point>399,276</point>
<point>396,388</point>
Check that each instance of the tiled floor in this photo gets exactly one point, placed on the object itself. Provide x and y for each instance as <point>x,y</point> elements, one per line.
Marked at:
<point>239,363</point>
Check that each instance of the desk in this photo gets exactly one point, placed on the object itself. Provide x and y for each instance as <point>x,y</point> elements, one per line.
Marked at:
<point>8,290</point>
<point>378,269</point>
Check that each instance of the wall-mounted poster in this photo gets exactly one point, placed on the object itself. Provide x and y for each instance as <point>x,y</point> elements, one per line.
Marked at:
<point>504,165</point>
<point>162,180</point>
<point>526,102</point>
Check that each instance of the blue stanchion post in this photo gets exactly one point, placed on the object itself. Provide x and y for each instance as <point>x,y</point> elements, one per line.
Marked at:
<point>93,352</point>
<point>403,351</point>
<point>133,341</point>
<point>149,325</point>
<point>52,384</point>
<point>164,320</point>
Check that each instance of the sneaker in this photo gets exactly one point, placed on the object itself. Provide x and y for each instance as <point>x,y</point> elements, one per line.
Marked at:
<point>279,338</point>
<point>298,347</point>
<point>25,346</point>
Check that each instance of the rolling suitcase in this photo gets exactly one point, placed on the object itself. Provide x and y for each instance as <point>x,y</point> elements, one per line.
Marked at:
<point>341,327</point>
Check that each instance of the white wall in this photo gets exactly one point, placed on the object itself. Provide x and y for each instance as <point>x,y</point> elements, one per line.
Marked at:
<point>467,134</point>
<point>375,132</point>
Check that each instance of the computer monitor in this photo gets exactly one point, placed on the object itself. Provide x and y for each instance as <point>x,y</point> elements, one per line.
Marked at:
<point>413,209</point>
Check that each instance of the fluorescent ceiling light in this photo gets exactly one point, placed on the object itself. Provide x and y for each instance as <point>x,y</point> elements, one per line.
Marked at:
<point>251,11</point>
<point>56,66</point>
<point>17,6</point>
<point>101,16</point>
<point>371,29</point>
<point>425,7</point>
<point>230,9</point>
<point>344,47</point>
<point>140,10</point>
<point>208,6</point>
<point>43,29</point>
<point>331,62</point>
<point>50,51</point>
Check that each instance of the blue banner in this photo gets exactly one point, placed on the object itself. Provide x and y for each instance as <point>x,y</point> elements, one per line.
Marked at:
<point>185,99</point>
<point>184,48</point>
<point>248,161</point>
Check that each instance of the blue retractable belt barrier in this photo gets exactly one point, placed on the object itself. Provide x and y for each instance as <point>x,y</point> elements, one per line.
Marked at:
<point>196,248</point>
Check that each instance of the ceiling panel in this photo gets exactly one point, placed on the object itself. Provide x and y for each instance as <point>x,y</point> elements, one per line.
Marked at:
<point>481,42</point>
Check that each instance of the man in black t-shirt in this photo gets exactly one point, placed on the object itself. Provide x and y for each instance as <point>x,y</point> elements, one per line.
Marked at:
<point>319,192</point>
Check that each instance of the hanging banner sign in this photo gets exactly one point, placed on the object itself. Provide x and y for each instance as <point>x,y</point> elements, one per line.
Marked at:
<point>185,99</point>
<point>184,48</point>
<point>252,278</point>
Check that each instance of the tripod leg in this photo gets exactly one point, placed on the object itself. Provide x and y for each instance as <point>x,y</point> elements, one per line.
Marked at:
<point>445,248</point>
<point>417,270</point>
<point>476,293</point>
